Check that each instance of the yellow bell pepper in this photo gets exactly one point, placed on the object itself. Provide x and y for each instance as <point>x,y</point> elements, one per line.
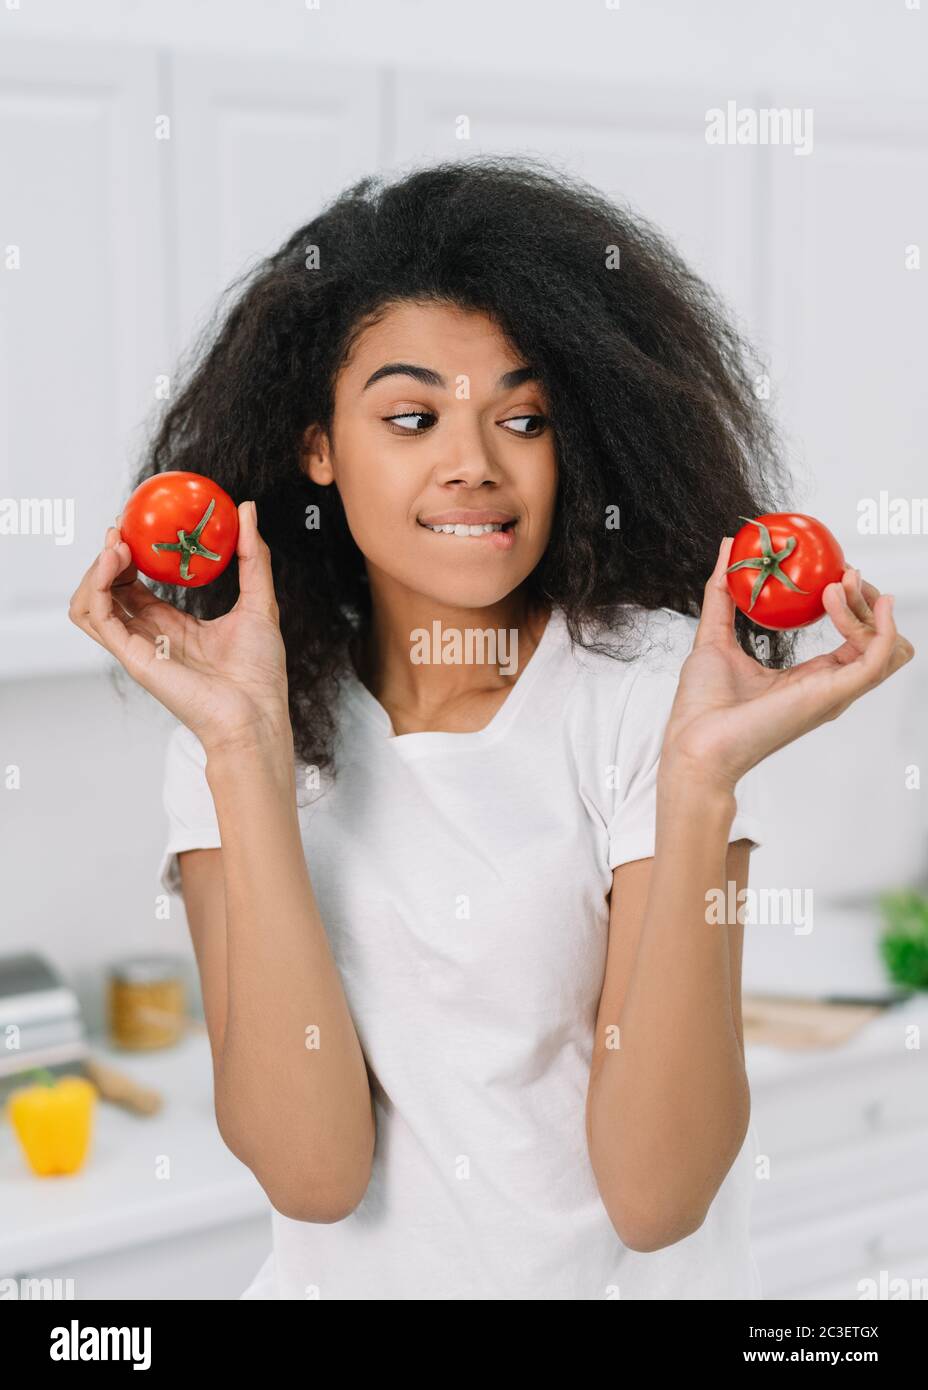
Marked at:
<point>53,1121</point>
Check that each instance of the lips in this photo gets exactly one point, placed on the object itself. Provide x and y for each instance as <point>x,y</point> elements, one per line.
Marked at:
<point>487,528</point>
<point>498,532</point>
<point>468,516</point>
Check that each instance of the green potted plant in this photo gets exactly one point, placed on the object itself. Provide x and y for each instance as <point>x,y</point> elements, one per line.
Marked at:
<point>904,942</point>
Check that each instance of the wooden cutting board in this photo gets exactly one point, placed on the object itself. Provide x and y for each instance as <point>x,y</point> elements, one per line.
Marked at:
<point>779,1022</point>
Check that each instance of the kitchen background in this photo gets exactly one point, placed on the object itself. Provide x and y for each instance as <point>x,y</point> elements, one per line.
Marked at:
<point>148,154</point>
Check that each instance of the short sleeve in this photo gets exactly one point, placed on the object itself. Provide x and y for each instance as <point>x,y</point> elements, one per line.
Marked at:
<point>188,802</point>
<point>631,829</point>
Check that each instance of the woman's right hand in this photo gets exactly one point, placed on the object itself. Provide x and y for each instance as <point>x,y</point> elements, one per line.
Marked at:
<point>225,678</point>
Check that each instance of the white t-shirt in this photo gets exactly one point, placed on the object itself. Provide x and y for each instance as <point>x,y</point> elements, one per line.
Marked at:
<point>463,880</point>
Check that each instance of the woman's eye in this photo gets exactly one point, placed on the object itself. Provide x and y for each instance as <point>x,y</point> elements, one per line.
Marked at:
<point>405,423</point>
<point>394,420</point>
<point>537,423</point>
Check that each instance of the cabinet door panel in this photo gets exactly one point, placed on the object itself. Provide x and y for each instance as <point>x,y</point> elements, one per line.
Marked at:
<point>646,148</point>
<point>259,148</point>
<point>81,328</point>
<point>861,1102</point>
<point>847,312</point>
<point>885,1235</point>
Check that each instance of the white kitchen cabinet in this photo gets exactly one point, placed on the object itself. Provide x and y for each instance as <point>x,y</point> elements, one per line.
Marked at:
<point>846,1134</point>
<point>637,144</point>
<point>82,329</point>
<point>137,185</point>
<point>217,1263</point>
<point>140,184</point>
<point>257,149</point>
<point>845,289</point>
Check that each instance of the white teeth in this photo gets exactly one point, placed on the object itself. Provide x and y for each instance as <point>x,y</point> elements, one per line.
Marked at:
<point>463,530</point>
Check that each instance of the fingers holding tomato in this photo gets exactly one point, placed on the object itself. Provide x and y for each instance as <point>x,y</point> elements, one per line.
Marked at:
<point>111,604</point>
<point>779,567</point>
<point>181,528</point>
<point>787,570</point>
<point>864,627</point>
<point>224,678</point>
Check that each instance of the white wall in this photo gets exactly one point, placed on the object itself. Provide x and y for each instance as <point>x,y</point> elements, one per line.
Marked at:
<point>619,95</point>
<point>82,837</point>
<point>826,43</point>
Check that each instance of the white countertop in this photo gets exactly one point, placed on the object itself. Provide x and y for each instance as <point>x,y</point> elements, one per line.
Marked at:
<point>883,1036</point>
<point>117,1200</point>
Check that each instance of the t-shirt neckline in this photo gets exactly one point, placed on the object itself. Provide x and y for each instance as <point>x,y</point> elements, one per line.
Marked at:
<point>426,741</point>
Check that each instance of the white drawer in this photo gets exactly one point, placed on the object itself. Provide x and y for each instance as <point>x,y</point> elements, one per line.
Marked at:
<point>802,1188</point>
<point>216,1263</point>
<point>827,1250</point>
<point>844,1105</point>
<point>913,1274</point>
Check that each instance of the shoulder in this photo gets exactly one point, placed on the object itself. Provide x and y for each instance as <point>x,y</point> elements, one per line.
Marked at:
<point>623,679</point>
<point>620,699</point>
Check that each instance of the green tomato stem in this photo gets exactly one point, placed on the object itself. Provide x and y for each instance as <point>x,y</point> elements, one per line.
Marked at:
<point>190,545</point>
<point>768,562</point>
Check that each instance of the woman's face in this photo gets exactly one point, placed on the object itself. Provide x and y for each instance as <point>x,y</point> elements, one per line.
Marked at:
<point>438,422</point>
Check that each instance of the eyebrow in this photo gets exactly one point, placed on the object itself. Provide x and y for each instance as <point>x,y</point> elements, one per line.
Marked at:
<point>507,382</point>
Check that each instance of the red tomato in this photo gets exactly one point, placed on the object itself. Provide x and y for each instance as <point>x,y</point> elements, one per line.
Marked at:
<point>779,565</point>
<point>181,528</point>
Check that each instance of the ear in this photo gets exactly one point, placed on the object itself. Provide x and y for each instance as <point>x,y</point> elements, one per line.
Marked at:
<point>315,459</point>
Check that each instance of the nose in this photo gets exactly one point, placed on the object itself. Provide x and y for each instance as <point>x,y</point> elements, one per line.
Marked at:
<point>468,462</point>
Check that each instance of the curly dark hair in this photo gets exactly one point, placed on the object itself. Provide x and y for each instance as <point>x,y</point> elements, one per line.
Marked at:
<point>648,379</point>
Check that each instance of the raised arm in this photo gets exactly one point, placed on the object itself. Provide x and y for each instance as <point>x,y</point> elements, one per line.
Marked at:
<point>292,1094</point>
<point>668,1102</point>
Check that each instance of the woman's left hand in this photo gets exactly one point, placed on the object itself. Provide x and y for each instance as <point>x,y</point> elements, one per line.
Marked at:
<point>730,712</point>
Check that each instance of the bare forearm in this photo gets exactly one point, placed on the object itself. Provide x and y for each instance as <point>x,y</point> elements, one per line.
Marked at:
<point>292,1088</point>
<point>669,1106</point>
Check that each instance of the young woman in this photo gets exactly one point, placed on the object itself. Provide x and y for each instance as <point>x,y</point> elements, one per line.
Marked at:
<point>462,742</point>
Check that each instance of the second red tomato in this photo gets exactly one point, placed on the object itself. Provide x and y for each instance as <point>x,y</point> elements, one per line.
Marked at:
<point>181,528</point>
<point>779,565</point>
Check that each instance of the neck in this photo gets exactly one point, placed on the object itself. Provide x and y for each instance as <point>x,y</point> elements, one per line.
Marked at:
<point>422,656</point>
